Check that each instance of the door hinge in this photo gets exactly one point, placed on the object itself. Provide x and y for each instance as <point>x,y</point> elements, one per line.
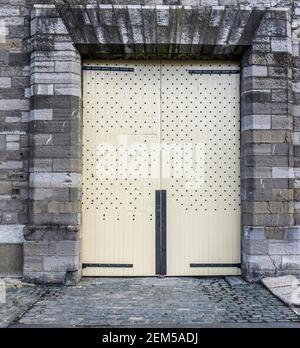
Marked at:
<point>215,265</point>
<point>107,265</point>
<point>107,68</point>
<point>214,72</point>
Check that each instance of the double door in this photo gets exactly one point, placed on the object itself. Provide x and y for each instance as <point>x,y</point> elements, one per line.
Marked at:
<point>161,168</point>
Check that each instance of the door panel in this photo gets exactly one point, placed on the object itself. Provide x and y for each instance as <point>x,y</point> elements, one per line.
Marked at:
<point>120,108</point>
<point>203,223</point>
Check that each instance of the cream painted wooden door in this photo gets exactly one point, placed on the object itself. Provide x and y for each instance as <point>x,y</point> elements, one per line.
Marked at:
<point>170,203</point>
<point>121,115</point>
<point>200,112</point>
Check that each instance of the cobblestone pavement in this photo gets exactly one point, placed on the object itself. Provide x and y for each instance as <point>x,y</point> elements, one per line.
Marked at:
<point>19,298</point>
<point>153,302</point>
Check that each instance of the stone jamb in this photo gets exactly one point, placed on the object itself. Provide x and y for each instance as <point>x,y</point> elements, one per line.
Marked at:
<point>52,246</point>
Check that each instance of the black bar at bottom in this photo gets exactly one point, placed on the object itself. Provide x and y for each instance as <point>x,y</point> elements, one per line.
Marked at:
<point>107,265</point>
<point>161,232</point>
<point>215,265</point>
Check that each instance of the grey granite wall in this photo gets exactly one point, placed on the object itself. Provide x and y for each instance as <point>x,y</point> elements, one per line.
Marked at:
<point>14,116</point>
<point>40,57</point>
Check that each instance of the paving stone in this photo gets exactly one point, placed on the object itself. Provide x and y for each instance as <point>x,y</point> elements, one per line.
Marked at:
<point>235,281</point>
<point>19,297</point>
<point>286,288</point>
<point>273,282</point>
<point>155,302</point>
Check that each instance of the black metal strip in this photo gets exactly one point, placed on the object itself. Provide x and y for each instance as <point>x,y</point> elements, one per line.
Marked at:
<point>214,72</point>
<point>107,265</point>
<point>161,232</point>
<point>215,265</point>
<point>107,68</point>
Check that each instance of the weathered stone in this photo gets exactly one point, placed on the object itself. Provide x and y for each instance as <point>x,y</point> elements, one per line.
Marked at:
<point>291,262</point>
<point>235,281</point>
<point>274,233</point>
<point>11,234</point>
<point>255,247</point>
<point>55,180</point>
<point>292,232</point>
<point>286,288</point>
<point>60,263</point>
<point>68,248</point>
<point>284,247</point>
<point>40,248</point>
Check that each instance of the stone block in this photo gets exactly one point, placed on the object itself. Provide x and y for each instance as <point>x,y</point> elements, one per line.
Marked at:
<point>281,122</point>
<point>10,217</point>
<point>64,46</point>
<point>68,207</point>
<point>265,161</point>
<point>39,248</point>
<point>291,262</point>
<point>67,89</point>
<point>254,233</point>
<point>274,232</point>
<point>282,172</point>
<point>53,207</point>
<point>41,115</point>
<point>7,165</point>
<point>12,119</point>
<point>2,142</point>
<point>275,282</point>
<point>281,45</point>
<point>57,194</point>
<point>291,233</point>
<point>66,218</point>
<point>10,11</point>
<point>72,278</point>
<point>5,188</point>
<point>255,247</point>
<point>5,82</point>
<point>256,122</point>
<point>11,259</point>
<point>60,263</point>
<point>54,180</point>
<point>235,281</point>
<point>43,89</point>
<point>12,146</point>
<point>286,288</point>
<point>52,78</point>
<point>41,165</point>
<point>68,248</point>
<point>68,67</point>
<point>255,70</point>
<point>14,104</point>
<point>33,277</point>
<point>269,136</point>
<point>277,247</point>
<point>54,277</point>
<point>63,165</point>
<point>33,264</point>
<point>274,28</point>
<point>261,263</point>
<point>280,149</point>
<point>51,233</point>
<point>44,66</point>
